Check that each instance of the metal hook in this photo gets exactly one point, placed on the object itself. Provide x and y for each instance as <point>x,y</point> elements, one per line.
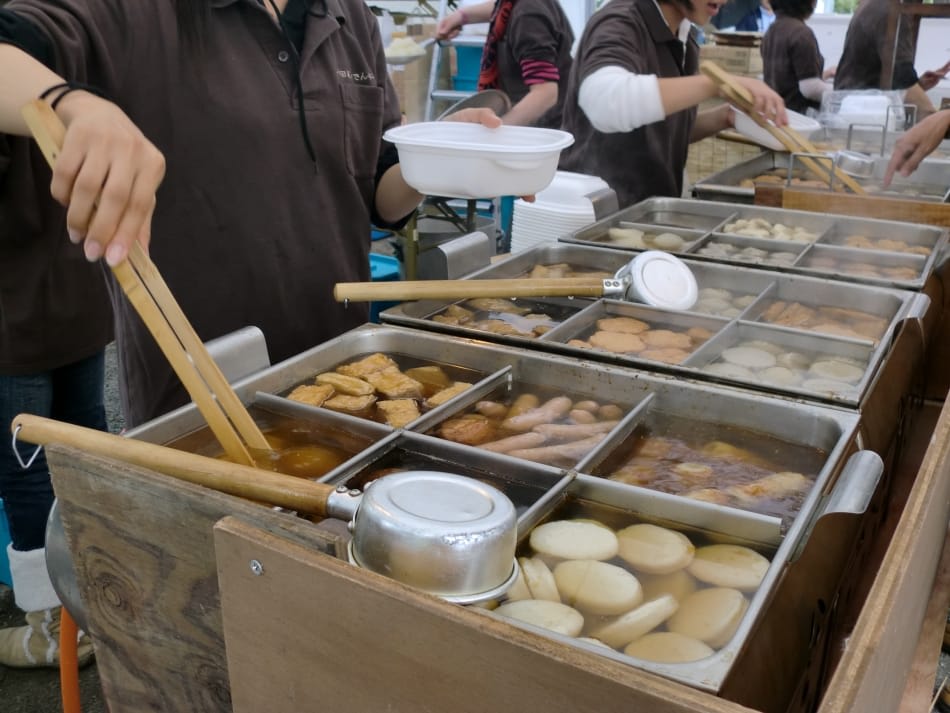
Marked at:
<point>16,451</point>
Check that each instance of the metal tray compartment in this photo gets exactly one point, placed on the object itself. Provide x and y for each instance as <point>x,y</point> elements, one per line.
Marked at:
<point>542,491</point>
<point>818,230</point>
<point>736,184</point>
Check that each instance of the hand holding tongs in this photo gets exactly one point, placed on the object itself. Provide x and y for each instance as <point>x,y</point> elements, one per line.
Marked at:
<point>793,142</point>
<point>143,285</point>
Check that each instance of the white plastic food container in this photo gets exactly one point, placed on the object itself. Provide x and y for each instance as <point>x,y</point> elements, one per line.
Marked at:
<point>804,125</point>
<point>465,160</point>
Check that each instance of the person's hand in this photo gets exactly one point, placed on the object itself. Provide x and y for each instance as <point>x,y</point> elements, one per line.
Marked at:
<point>477,115</point>
<point>915,144</point>
<point>107,175</point>
<point>931,78</point>
<point>829,73</point>
<point>765,100</point>
<point>449,26</point>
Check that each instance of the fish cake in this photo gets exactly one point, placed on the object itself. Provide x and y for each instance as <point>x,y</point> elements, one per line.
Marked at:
<point>347,385</point>
<point>617,342</point>
<point>666,339</point>
<point>626,325</point>
<point>393,384</point>
<point>312,394</point>
<point>399,412</point>
<point>493,304</point>
<point>372,363</point>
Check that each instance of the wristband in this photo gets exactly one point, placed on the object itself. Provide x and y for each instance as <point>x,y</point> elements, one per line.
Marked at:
<point>463,16</point>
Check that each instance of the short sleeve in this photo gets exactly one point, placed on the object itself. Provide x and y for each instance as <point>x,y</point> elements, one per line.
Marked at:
<point>806,59</point>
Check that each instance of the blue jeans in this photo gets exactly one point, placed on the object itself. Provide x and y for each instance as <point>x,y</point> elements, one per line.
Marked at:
<point>72,393</point>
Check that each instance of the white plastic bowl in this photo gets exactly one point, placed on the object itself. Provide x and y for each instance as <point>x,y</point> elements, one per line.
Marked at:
<point>465,160</point>
<point>804,125</point>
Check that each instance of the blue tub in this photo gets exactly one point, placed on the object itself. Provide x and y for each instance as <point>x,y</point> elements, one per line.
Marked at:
<point>5,577</point>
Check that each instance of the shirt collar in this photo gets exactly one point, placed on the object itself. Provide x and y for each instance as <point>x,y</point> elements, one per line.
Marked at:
<point>334,7</point>
<point>660,31</point>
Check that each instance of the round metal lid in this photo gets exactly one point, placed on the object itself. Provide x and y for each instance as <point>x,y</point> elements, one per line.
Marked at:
<point>662,280</point>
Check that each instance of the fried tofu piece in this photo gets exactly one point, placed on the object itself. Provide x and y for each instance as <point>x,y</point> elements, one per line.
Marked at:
<point>372,363</point>
<point>393,384</point>
<point>348,385</point>
<point>432,377</point>
<point>441,397</point>
<point>355,405</point>
<point>399,412</point>
<point>472,429</point>
<point>313,394</point>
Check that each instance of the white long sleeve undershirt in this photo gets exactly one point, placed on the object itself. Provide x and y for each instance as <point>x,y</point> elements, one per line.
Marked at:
<point>616,100</point>
<point>813,87</point>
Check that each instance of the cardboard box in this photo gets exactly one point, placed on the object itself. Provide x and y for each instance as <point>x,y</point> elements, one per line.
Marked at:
<point>746,61</point>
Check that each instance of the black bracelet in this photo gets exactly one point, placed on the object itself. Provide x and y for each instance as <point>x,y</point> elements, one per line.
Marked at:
<point>66,88</point>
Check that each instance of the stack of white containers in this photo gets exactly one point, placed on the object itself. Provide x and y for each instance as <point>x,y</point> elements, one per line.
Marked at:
<point>559,209</point>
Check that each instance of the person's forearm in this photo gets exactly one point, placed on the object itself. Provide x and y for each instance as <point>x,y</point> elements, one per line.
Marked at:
<point>475,13</point>
<point>536,102</point>
<point>918,97</point>
<point>22,79</point>
<point>709,122</point>
<point>681,93</point>
<point>395,199</point>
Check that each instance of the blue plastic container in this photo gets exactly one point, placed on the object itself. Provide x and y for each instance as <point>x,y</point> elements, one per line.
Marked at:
<point>5,577</point>
<point>468,60</point>
<point>461,84</point>
<point>382,268</point>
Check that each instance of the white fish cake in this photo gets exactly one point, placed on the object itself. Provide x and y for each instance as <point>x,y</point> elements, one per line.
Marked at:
<point>730,371</point>
<point>574,540</point>
<point>749,357</point>
<point>537,575</point>
<point>552,616</point>
<point>597,587</point>
<point>732,566</point>
<point>519,590</point>
<point>668,647</point>
<point>710,615</point>
<point>637,622</point>
<point>780,376</point>
<point>653,549</point>
<point>793,360</point>
<point>679,584</point>
<point>837,371</point>
<point>668,241</point>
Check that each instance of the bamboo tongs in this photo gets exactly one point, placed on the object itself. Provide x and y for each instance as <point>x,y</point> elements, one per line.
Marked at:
<point>793,142</point>
<point>146,290</point>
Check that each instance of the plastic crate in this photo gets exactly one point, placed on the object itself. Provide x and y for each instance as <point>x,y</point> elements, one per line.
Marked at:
<point>468,62</point>
<point>382,268</point>
<point>5,577</point>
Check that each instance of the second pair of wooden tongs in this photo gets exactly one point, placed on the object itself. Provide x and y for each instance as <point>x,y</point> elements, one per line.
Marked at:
<point>793,142</point>
<point>142,283</point>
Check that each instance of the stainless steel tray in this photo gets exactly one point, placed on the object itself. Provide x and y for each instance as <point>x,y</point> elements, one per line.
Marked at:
<point>542,491</point>
<point>930,182</point>
<point>790,309</point>
<point>876,252</point>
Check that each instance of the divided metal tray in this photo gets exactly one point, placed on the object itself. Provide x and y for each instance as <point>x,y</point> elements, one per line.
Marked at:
<point>930,182</point>
<point>877,252</point>
<point>813,319</point>
<point>545,491</point>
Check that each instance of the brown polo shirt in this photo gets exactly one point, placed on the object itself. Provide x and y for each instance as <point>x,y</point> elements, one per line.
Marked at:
<point>648,161</point>
<point>538,30</point>
<point>863,55</point>
<point>789,55</point>
<point>54,307</point>
<point>247,229</point>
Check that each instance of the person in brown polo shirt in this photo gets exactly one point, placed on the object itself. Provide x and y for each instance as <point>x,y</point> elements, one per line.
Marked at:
<point>862,58</point>
<point>633,92</point>
<point>791,62</point>
<point>527,55</point>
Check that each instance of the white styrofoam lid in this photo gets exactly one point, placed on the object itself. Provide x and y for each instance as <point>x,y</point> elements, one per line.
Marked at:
<point>662,280</point>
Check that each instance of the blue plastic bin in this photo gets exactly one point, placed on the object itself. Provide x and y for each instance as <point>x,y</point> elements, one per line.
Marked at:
<point>382,268</point>
<point>4,541</point>
<point>468,62</point>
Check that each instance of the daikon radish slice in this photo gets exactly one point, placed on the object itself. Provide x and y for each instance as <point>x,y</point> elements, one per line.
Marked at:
<point>749,357</point>
<point>668,647</point>
<point>553,616</point>
<point>710,615</point>
<point>518,590</point>
<point>574,540</point>
<point>680,584</point>
<point>637,622</point>
<point>837,371</point>
<point>539,579</point>
<point>653,549</point>
<point>729,566</point>
<point>597,587</point>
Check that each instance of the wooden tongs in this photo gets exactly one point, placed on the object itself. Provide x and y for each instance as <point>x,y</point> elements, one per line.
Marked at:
<point>146,290</point>
<point>793,142</point>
